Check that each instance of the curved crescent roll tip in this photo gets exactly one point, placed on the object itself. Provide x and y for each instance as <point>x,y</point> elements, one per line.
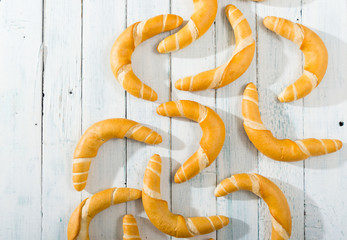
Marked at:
<point>213,135</point>
<point>159,214</point>
<point>125,45</point>
<point>99,133</point>
<point>205,12</point>
<point>238,63</point>
<point>315,52</point>
<point>130,229</point>
<point>80,219</point>
<point>269,192</point>
<point>279,149</point>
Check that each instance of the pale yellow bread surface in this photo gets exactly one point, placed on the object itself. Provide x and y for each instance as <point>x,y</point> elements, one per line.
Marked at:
<point>125,45</point>
<point>80,219</point>
<point>159,214</point>
<point>314,50</point>
<point>279,149</point>
<point>205,12</point>
<point>99,133</point>
<point>269,192</point>
<point>130,229</point>
<point>213,135</point>
<point>236,65</point>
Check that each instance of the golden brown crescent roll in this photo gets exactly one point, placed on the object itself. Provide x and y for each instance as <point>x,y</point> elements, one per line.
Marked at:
<point>130,229</point>
<point>158,212</point>
<point>205,12</point>
<point>99,133</point>
<point>269,192</point>
<point>278,149</point>
<point>315,52</point>
<point>80,219</point>
<point>125,45</point>
<point>213,135</point>
<point>237,64</point>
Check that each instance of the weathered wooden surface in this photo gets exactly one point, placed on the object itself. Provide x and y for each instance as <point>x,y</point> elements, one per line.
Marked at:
<point>20,116</point>
<point>56,81</point>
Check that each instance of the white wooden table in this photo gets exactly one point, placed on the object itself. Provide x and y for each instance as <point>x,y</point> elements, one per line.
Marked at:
<point>56,81</point>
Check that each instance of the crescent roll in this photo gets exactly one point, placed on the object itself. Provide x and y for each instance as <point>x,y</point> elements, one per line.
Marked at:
<point>213,135</point>
<point>158,212</point>
<point>237,64</point>
<point>269,192</point>
<point>99,133</point>
<point>130,229</point>
<point>125,45</point>
<point>80,219</point>
<point>205,12</point>
<point>278,149</point>
<point>315,52</point>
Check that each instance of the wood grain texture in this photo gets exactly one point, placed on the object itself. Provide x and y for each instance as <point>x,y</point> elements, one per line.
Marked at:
<point>153,69</point>
<point>325,107</point>
<point>57,81</point>
<point>279,63</point>
<point>20,118</point>
<point>186,198</point>
<point>61,113</point>
<point>103,98</point>
<point>238,154</point>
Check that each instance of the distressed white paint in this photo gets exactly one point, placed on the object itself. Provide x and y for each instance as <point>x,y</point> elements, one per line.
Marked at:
<point>238,154</point>
<point>80,89</point>
<point>280,63</point>
<point>325,176</point>
<point>61,113</point>
<point>153,69</point>
<point>199,56</point>
<point>20,118</point>
<point>103,98</point>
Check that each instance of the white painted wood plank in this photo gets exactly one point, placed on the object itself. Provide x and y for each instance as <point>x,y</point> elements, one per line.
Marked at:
<point>194,197</point>
<point>153,69</point>
<point>20,119</point>
<point>238,154</point>
<point>280,63</point>
<point>62,114</point>
<point>325,107</point>
<point>103,98</point>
